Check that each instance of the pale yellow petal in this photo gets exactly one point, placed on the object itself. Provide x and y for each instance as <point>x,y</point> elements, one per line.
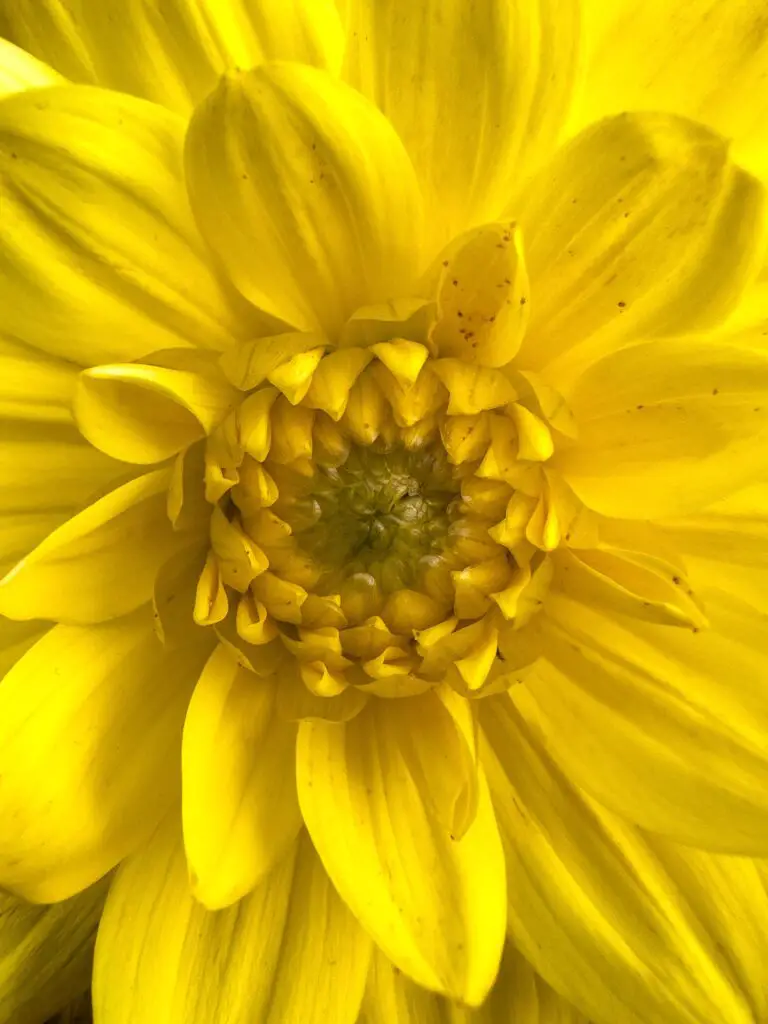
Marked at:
<point>172,56</point>
<point>239,804</point>
<point>46,954</point>
<point>640,225</point>
<point>100,564</point>
<point>624,930</point>
<point>290,156</point>
<point>668,426</point>
<point>102,261</point>
<point>288,952</point>
<point>434,904</point>
<point>91,719</point>
<point>704,59</point>
<point>665,726</point>
<point>476,91</point>
<point>19,70</point>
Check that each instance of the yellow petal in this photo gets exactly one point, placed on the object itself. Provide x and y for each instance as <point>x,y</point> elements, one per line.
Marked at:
<point>338,163</point>
<point>726,546</point>
<point>145,414</point>
<point>249,364</point>
<point>102,259</point>
<point>641,224</point>
<point>665,726</point>
<point>239,805</point>
<point>477,93</point>
<point>703,59</point>
<point>34,386</point>
<point>519,996</point>
<point>91,720</point>
<point>289,951</point>
<point>46,954</point>
<point>101,563</point>
<point>593,908</point>
<point>433,904</point>
<point>19,70</point>
<point>174,59</point>
<point>666,427</point>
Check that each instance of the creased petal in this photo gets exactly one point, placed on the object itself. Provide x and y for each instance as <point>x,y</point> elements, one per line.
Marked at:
<point>665,726</point>
<point>173,56</point>
<point>640,225</point>
<point>91,721</point>
<point>519,996</point>
<point>19,70</point>
<point>99,565</point>
<point>101,261</point>
<point>668,426</point>
<point>288,155</point>
<point>477,92</point>
<point>433,904</point>
<point>701,58</point>
<point>620,926</point>
<point>239,807</point>
<point>290,951</point>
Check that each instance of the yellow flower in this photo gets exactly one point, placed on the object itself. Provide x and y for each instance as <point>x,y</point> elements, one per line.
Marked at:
<point>383,418</point>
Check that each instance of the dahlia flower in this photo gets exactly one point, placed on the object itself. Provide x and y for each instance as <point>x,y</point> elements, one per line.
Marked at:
<point>384,405</point>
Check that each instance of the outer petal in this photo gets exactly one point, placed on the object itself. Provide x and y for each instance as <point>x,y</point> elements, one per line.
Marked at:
<point>290,951</point>
<point>19,70</point>
<point>289,156</point>
<point>240,809</point>
<point>703,58</point>
<point>667,427</point>
<point>101,259</point>
<point>476,91</point>
<point>433,904</point>
<point>91,720</point>
<point>46,954</point>
<point>640,225</point>
<point>664,726</point>
<point>519,996</point>
<point>99,565</point>
<point>173,56</point>
<point>624,929</point>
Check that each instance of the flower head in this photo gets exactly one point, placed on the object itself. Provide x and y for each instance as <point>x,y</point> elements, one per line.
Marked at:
<point>386,516</point>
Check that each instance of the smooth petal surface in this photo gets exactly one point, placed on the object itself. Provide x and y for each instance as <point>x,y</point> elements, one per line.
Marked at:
<point>173,56</point>
<point>101,259</point>
<point>19,70</point>
<point>239,805</point>
<point>519,996</point>
<point>33,385</point>
<point>665,726</point>
<point>599,914</point>
<point>433,904</point>
<point>99,565</point>
<point>640,225</point>
<point>289,953</point>
<point>476,91</point>
<point>91,732</point>
<point>46,954</point>
<point>289,156</point>
<point>668,426</point>
<point>703,58</point>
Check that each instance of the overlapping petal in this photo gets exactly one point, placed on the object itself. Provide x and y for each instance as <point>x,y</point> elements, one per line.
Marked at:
<point>305,194</point>
<point>665,726</point>
<point>239,808</point>
<point>641,225</point>
<point>91,721</point>
<point>434,904</point>
<point>496,75</point>
<point>172,55</point>
<point>19,70</point>
<point>626,926</point>
<point>290,951</point>
<point>46,954</point>
<point>101,259</point>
